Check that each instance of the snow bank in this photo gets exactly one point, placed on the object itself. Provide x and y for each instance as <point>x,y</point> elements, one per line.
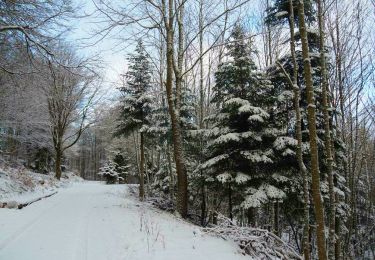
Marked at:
<point>21,185</point>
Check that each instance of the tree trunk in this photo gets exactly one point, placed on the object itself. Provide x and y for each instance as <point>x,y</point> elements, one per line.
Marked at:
<point>338,241</point>
<point>271,209</point>
<point>315,185</point>
<point>230,202</point>
<point>201,109</point>
<point>327,134</point>
<point>58,160</point>
<point>142,170</point>
<point>203,206</point>
<point>171,179</point>
<point>136,153</point>
<point>173,108</point>
<point>251,218</point>
<point>301,164</point>
<point>269,40</point>
<point>276,227</point>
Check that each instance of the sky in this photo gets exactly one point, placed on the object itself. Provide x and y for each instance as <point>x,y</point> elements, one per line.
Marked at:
<point>112,54</point>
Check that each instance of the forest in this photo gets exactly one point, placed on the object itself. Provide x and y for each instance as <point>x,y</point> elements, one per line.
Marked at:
<point>256,113</point>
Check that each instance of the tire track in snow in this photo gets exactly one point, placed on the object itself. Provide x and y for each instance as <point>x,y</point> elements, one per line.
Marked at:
<point>82,252</point>
<point>26,227</point>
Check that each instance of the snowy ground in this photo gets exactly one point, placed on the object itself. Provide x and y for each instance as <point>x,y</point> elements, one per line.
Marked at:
<point>94,221</point>
<point>22,185</point>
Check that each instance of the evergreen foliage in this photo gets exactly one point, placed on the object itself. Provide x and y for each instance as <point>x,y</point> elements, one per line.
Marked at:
<point>109,172</point>
<point>240,150</point>
<point>136,96</point>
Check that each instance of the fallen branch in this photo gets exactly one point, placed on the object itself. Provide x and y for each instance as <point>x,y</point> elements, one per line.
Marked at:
<point>20,206</point>
<point>258,243</point>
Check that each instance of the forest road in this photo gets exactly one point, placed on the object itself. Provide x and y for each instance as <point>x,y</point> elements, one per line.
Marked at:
<point>93,221</point>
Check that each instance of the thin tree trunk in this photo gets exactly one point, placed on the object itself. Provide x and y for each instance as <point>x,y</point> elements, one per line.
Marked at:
<point>203,205</point>
<point>269,41</point>
<point>315,185</point>
<point>230,202</point>
<point>301,164</point>
<point>276,220</point>
<point>201,110</point>
<point>170,170</point>
<point>271,209</point>
<point>327,133</point>
<point>142,169</point>
<point>136,153</point>
<point>338,242</point>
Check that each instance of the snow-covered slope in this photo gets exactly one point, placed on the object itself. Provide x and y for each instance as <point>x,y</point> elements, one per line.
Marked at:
<point>22,185</point>
<point>94,221</point>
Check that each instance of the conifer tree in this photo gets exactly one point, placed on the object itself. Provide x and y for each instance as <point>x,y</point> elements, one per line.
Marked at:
<point>240,151</point>
<point>136,104</point>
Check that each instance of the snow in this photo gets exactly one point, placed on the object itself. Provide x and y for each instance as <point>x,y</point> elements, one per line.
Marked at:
<point>273,192</point>
<point>288,152</point>
<point>281,14</point>
<point>224,177</point>
<point>250,134</point>
<point>257,156</point>
<point>109,169</point>
<point>22,185</point>
<point>256,118</point>
<point>242,178</point>
<point>230,137</point>
<point>98,222</point>
<point>256,199</point>
<point>254,110</point>
<point>286,95</point>
<point>209,163</point>
<point>237,101</point>
<point>282,142</point>
<point>262,195</point>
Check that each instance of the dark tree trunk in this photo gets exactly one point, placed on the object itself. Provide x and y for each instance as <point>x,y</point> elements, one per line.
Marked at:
<point>203,206</point>
<point>276,220</point>
<point>251,221</point>
<point>58,160</point>
<point>327,134</point>
<point>142,169</point>
<point>230,202</point>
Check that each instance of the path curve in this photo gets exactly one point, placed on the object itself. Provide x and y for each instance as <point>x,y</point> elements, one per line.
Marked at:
<point>93,221</point>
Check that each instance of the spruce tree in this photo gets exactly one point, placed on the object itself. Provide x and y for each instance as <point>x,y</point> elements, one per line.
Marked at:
<point>109,172</point>
<point>121,166</point>
<point>240,151</point>
<point>136,103</point>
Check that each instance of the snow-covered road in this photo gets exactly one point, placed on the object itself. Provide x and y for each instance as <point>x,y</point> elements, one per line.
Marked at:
<point>93,221</point>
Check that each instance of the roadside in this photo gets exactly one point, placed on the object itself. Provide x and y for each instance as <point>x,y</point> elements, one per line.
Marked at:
<point>22,186</point>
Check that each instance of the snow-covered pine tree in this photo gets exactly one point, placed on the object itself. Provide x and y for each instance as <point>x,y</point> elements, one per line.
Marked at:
<point>278,11</point>
<point>109,172</point>
<point>240,151</point>
<point>121,166</point>
<point>136,103</point>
